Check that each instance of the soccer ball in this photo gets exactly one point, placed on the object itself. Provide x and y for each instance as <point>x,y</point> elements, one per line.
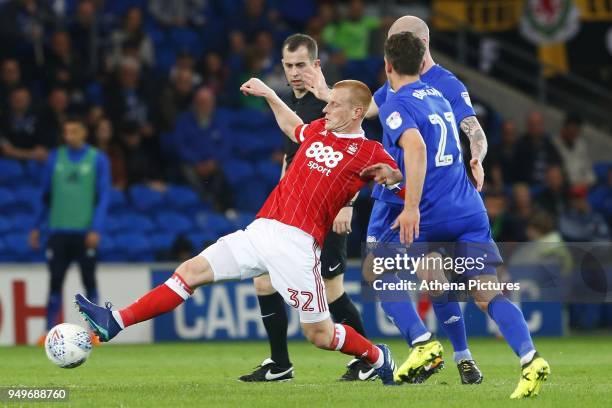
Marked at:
<point>68,345</point>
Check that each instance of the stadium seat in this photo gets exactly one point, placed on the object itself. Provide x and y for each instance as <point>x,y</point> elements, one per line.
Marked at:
<point>243,219</point>
<point>181,197</point>
<point>173,222</point>
<point>144,198</point>
<point>18,244</point>
<point>23,221</point>
<point>238,171</point>
<point>28,198</point>
<point>186,40</point>
<point>213,223</point>
<point>6,225</point>
<point>34,171</point>
<point>201,240</point>
<point>7,198</point>
<point>252,196</point>
<point>118,202</point>
<point>135,246</point>
<point>162,240</point>
<point>113,223</point>
<point>134,222</point>
<point>268,171</point>
<point>601,171</point>
<point>10,170</point>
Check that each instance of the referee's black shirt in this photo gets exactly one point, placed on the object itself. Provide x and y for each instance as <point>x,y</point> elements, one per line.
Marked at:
<point>308,108</point>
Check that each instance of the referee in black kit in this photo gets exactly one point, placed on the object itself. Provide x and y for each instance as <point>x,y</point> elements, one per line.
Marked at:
<point>300,53</point>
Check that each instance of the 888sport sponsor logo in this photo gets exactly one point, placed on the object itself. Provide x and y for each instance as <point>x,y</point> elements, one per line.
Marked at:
<point>325,158</point>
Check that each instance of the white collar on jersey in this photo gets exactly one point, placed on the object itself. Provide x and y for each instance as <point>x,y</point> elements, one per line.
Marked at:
<point>360,135</point>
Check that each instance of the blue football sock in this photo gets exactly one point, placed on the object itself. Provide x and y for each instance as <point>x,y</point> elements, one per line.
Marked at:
<point>54,306</point>
<point>512,325</point>
<point>403,314</point>
<point>451,319</point>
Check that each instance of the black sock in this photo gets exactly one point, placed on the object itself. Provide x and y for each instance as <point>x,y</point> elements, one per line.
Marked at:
<point>343,311</point>
<point>274,316</point>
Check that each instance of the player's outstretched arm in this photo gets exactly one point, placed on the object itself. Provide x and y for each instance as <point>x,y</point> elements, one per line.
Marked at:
<point>478,146</point>
<point>287,119</point>
<point>415,164</point>
<point>383,174</point>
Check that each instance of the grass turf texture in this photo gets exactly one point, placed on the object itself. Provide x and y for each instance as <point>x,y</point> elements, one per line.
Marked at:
<point>204,374</point>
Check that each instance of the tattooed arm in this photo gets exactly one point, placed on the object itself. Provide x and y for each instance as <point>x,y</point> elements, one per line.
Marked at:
<point>478,147</point>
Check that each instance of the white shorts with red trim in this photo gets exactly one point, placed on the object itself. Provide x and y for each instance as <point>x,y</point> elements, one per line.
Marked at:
<point>288,254</point>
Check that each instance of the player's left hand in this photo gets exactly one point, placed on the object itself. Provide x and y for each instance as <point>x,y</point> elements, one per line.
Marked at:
<point>382,173</point>
<point>314,81</point>
<point>255,87</point>
<point>408,223</point>
<point>92,240</point>
<point>477,172</point>
<point>342,222</point>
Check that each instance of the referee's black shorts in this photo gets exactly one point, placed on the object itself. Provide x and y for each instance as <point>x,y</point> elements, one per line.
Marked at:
<point>333,255</point>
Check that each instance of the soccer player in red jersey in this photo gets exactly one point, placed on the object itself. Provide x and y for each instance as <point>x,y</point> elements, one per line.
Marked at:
<point>332,164</point>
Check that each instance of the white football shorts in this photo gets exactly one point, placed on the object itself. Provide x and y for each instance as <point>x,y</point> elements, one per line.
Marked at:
<point>288,254</point>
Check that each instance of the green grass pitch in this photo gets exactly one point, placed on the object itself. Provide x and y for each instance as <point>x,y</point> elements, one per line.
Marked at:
<point>204,375</point>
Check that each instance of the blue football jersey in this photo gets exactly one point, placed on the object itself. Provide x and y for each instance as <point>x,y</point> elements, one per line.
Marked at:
<point>447,192</point>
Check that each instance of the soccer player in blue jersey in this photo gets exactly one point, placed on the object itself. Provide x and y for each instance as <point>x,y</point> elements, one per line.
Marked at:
<point>448,311</point>
<point>441,204</point>
<point>426,356</point>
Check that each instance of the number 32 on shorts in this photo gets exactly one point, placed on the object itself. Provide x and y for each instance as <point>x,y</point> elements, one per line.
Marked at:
<point>307,296</point>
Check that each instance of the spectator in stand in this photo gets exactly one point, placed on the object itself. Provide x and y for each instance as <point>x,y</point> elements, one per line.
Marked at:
<point>253,68</point>
<point>132,32</point>
<point>75,189</point>
<point>214,74</point>
<point>175,98</point>
<point>52,118</point>
<point>22,26</point>
<point>142,162</point>
<point>63,66</point>
<point>579,223</point>
<point>552,198</point>
<point>178,13</point>
<point>253,18</point>
<point>105,141</point>
<point>184,60</point>
<point>20,138</point>
<point>352,34</point>
<point>83,30</point>
<point>499,162</point>
<point>574,153</point>
<point>503,227</point>
<point>521,209</point>
<point>202,145</point>
<point>127,99</point>
<point>10,78</point>
<point>534,152</point>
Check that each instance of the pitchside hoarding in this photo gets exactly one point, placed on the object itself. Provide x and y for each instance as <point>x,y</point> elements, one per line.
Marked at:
<point>220,312</point>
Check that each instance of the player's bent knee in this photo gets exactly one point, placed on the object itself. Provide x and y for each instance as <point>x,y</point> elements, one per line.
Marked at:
<point>432,273</point>
<point>195,272</point>
<point>263,285</point>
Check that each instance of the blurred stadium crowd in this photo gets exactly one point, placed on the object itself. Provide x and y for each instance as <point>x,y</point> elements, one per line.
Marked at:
<point>191,158</point>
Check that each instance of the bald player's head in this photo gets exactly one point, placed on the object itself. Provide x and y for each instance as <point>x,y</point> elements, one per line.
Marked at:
<point>412,24</point>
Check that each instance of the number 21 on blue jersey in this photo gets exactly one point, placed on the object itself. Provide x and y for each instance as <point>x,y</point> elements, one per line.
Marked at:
<point>443,159</point>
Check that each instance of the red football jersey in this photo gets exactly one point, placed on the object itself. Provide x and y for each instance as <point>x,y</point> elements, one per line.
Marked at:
<point>322,178</point>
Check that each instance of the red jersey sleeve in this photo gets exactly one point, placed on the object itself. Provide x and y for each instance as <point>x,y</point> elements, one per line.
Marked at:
<point>305,130</point>
<point>381,156</point>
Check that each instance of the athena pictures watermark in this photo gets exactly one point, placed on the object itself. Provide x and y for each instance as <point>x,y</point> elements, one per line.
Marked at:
<point>530,271</point>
